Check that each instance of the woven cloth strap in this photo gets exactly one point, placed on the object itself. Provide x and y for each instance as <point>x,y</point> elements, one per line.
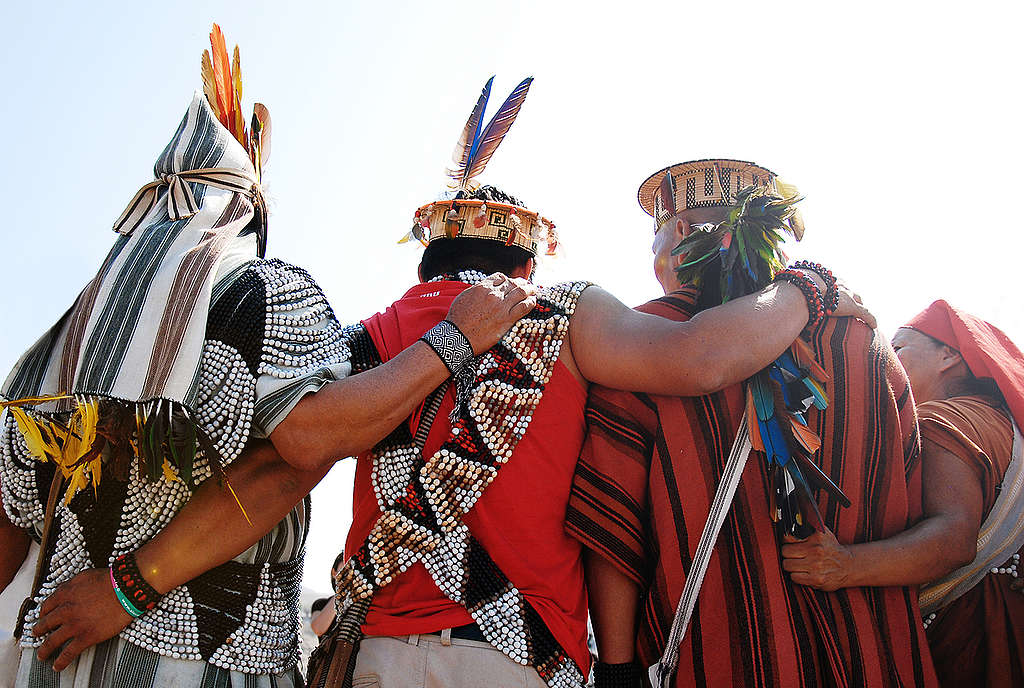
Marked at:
<point>661,673</point>
<point>180,201</point>
<point>1000,536</point>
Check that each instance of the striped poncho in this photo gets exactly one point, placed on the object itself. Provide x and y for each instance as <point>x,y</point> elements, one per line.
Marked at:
<point>644,485</point>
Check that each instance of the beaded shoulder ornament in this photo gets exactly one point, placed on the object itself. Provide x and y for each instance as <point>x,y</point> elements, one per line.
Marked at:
<point>423,498</point>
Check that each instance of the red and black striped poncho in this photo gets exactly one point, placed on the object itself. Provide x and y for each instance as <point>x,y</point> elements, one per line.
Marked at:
<point>641,495</point>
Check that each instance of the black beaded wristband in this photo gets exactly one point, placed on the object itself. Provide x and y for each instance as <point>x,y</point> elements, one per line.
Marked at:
<point>448,342</point>
<point>625,675</point>
<point>831,298</point>
<point>815,308</point>
<point>128,578</point>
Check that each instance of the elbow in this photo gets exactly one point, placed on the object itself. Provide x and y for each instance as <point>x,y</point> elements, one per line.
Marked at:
<point>710,377</point>
<point>300,449</point>
<point>962,552</point>
<point>960,548</point>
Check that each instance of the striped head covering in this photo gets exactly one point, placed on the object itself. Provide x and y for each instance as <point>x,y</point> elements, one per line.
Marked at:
<point>135,332</point>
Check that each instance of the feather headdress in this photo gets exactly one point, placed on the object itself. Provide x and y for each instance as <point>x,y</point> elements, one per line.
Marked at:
<point>222,85</point>
<point>467,214</point>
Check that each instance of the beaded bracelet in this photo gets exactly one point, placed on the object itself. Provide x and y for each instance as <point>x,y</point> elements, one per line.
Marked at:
<point>128,580</point>
<point>126,604</point>
<point>815,308</point>
<point>448,342</point>
<point>831,297</point>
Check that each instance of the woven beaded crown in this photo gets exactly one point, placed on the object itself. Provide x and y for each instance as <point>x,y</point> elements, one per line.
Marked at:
<point>699,184</point>
<point>459,214</point>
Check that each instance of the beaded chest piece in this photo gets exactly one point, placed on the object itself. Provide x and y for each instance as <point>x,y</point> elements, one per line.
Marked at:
<point>270,324</point>
<point>423,498</point>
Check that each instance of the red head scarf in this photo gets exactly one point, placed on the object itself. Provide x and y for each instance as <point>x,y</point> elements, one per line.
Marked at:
<point>986,350</point>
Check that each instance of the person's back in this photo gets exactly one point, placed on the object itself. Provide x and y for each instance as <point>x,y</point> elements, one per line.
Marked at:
<point>646,481</point>
<point>664,456</point>
<point>518,519</point>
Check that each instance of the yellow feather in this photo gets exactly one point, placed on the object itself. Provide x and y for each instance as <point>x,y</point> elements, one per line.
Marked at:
<point>210,84</point>
<point>96,470</point>
<point>30,431</point>
<point>237,500</point>
<point>236,75</point>
<point>33,401</point>
<point>169,473</point>
<point>77,482</point>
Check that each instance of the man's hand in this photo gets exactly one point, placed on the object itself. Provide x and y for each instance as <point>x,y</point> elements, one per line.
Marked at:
<point>486,311</point>
<point>81,613</point>
<point>818,561</point>
<point>850,304</point>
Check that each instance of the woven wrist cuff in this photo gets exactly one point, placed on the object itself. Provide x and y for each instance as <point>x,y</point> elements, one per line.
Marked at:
<point>450,345</point>
<point>626,675</point>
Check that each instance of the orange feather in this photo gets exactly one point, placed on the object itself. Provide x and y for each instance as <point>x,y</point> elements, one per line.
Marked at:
<point>222,78</point>
<point>805,436</point>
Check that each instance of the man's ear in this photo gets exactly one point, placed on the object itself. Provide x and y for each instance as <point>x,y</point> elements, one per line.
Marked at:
<point>680,229</point>
<point>526,271</point>
<point>950,359</point>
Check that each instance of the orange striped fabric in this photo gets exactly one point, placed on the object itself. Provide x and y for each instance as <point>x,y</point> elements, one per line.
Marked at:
<point>644,485</point>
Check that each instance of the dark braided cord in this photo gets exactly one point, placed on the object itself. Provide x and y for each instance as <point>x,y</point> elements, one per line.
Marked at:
<point>831,297</point>
<point>136,588</point>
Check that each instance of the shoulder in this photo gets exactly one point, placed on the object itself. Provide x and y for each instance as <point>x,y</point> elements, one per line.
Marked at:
<point>963,413</point>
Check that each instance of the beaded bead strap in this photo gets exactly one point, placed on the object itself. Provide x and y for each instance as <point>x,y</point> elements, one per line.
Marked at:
<point>812,294</point>
<point>448,342</point>
<point>122,599</point>
<point>129,581</point>
<point>831,297</point>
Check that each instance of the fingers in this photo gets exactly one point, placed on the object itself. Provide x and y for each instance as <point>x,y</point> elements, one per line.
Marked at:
<point>69,654</point>
<point>523,308</point>
<point>52,644</point>
<point>867,317</point>
<point>495,279</point>
<point>49,619</point>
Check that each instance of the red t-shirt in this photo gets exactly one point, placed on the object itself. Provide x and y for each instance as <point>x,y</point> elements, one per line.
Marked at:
<point>520,517</point>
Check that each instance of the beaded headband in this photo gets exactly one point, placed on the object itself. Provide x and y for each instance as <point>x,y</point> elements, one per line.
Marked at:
<point>463,216</point>
<point>699,184</point>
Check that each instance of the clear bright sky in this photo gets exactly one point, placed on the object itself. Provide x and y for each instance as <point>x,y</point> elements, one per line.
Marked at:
<point>899,121</point>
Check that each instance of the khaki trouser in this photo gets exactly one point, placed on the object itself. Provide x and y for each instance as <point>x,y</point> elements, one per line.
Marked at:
<point>431,661</point>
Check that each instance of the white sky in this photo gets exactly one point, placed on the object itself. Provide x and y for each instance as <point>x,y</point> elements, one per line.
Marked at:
<point>900,122</point>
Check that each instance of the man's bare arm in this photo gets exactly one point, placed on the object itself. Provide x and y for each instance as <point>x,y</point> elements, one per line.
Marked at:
<point>351,415</point>
<point>614,600</point>
<point>944,540</point>
<point>618,347</point>
<point>211,529</point>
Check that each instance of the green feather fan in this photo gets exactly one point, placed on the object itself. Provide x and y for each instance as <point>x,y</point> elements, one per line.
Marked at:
<point>747,243</point>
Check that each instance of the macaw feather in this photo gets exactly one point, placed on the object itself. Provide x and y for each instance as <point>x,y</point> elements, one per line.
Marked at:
<point>804,357</point>
<point>210,84</point>
<point>222,85</point>
<point>820,480</point>
<point>259,147</point>
<point>806,437</point>
<point>462,155</point>
<point>491,137</point>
